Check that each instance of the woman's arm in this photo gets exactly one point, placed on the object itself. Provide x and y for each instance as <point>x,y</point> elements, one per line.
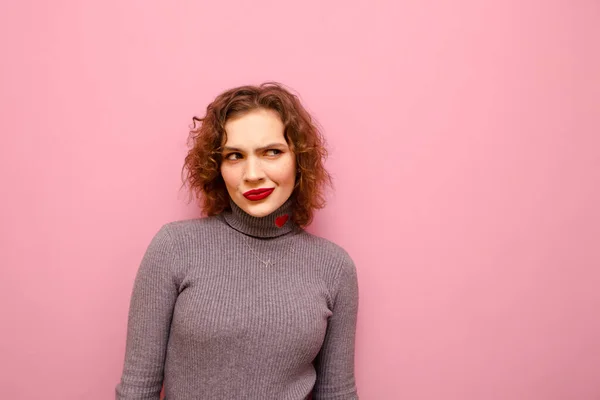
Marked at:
<point>335,362</point>
<point>152,301</point>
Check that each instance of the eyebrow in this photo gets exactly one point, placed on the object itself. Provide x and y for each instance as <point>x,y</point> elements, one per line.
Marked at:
<point>269,146</point>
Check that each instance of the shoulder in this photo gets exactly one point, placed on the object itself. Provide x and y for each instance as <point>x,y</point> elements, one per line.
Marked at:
<point>182,239</point>
<point>182,228</point>
<point>189,233</point>
<point>330,253</point>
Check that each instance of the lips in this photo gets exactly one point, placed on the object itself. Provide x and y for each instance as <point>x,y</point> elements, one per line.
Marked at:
<point>258,194</point>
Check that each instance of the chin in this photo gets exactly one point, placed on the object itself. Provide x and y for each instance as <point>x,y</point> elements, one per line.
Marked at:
<point>260,210</point>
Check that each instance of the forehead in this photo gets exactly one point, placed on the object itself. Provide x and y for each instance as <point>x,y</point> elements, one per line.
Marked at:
<point>255,128</point>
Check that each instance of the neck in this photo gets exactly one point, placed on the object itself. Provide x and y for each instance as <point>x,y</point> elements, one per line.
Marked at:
<point>278,223</point>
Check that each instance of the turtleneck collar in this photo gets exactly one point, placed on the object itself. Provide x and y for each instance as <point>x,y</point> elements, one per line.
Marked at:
<point>278,223</point>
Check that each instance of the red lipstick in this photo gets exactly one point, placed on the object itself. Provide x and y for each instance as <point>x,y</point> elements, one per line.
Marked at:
<point>258,194</point>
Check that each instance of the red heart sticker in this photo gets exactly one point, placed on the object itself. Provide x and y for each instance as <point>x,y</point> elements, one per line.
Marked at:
<point>280,221</point>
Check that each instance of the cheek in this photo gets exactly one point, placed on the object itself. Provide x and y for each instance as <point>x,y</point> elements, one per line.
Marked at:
<point>285,172</point>
<point>229,176</point>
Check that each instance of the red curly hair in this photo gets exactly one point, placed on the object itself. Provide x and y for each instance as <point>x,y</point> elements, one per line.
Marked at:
<point>202,167</point>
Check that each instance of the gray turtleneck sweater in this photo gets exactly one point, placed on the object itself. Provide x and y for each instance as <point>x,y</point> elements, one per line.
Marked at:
<point>235,307</point>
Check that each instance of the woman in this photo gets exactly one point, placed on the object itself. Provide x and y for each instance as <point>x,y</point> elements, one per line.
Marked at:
<point>244,303</point>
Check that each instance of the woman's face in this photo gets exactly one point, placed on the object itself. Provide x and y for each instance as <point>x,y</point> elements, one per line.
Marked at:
<point>258,167</point>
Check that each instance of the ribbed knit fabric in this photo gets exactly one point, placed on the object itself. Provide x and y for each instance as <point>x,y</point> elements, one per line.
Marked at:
<point>210,320</point>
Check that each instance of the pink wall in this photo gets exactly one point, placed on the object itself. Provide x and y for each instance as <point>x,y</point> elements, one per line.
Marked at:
<point>465,143</point>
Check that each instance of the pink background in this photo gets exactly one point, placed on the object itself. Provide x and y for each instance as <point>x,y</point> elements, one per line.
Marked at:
<point>465,144</point>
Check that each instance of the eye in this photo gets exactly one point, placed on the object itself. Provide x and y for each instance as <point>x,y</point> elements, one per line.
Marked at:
<point>233,156</point>
<point>273,152</point>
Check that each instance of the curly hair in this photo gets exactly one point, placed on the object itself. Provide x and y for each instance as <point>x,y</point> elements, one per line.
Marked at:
<point>201,170</point>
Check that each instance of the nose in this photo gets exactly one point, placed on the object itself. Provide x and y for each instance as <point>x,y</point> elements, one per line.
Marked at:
<point>253,171</point>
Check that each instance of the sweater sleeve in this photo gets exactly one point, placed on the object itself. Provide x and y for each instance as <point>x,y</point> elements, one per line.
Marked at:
<point>335,362</point>
<point>150,312</point>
